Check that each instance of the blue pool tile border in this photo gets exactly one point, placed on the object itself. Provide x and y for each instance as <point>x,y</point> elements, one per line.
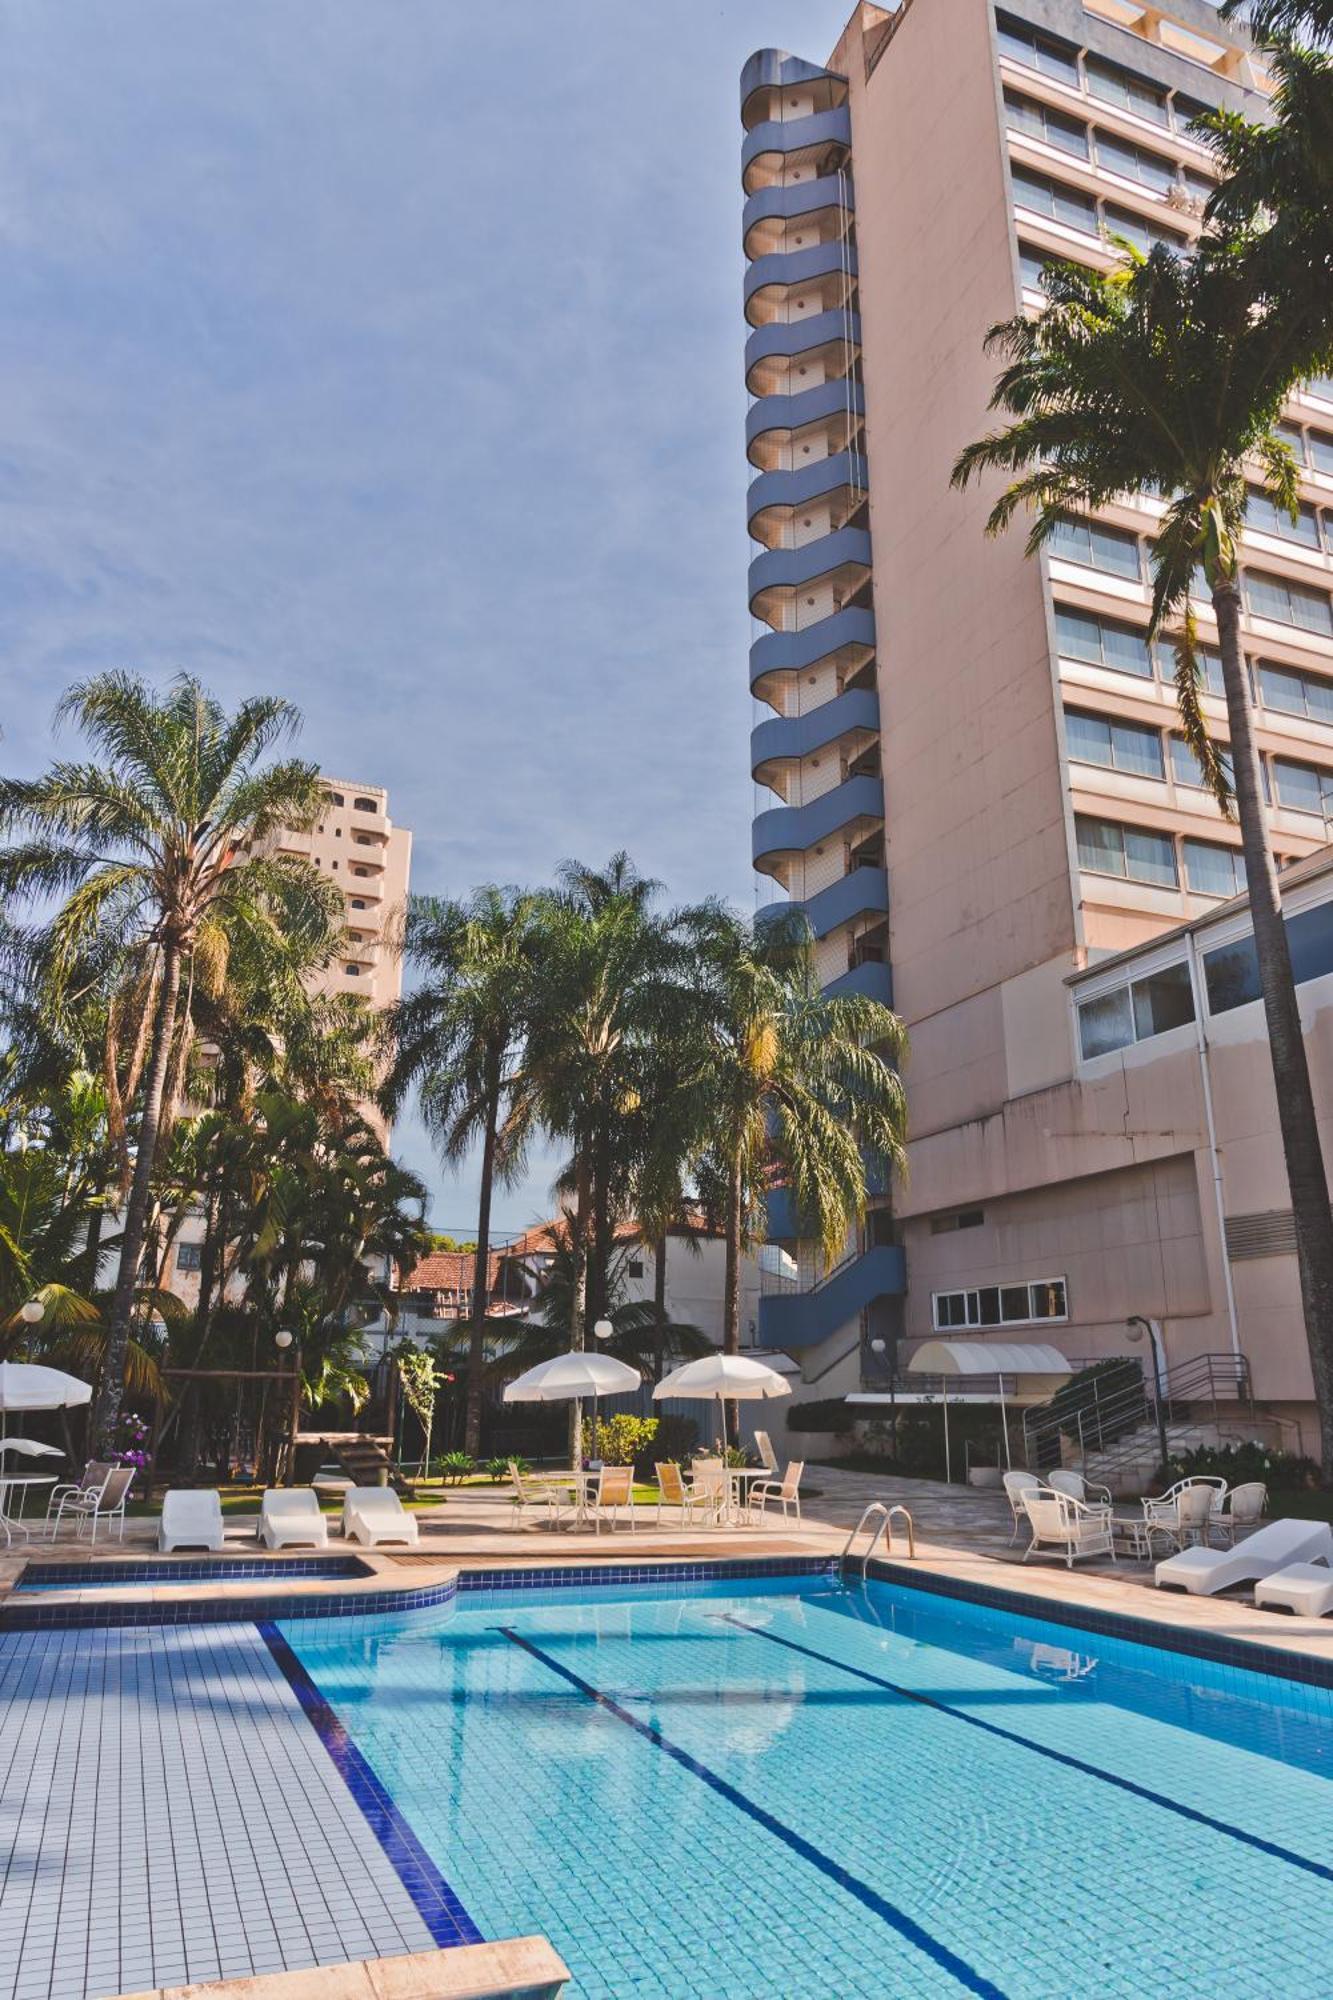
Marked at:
<point>435,1901</point>
<point>189,1569</point>
<point>1251,1654</point>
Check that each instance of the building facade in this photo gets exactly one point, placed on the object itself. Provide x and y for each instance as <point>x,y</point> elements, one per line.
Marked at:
<point>358,847</point>
<point>981,786</point>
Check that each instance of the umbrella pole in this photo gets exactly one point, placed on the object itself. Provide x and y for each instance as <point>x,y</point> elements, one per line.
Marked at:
<point>1004,1419</point>
<point>948,1474</point>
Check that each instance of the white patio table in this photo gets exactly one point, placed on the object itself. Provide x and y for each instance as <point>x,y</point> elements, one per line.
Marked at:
<point>8,1481</point>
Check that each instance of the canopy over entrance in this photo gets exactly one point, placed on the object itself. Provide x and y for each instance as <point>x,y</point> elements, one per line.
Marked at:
<point>987,1371</point>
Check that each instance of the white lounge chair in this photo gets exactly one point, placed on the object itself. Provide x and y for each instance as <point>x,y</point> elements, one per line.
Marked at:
<point>1303,1588</point>
<point>289,1517</point>
<point>190,1520</point>
<point>1205,1571</point>
<point>768,1458</point>
<point>375,1514</point>
<point>1066,1527</point>
<point>1076,1486</point>
<point>1016,1484</point>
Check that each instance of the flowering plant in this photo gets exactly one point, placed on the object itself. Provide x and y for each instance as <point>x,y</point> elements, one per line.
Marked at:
<point>132,1436</point>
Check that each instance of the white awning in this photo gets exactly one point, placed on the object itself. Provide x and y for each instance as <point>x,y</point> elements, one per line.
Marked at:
<point>1037,1371</point>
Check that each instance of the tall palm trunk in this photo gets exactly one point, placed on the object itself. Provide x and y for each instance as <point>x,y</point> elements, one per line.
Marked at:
<point>659,1304</point>
<point>481,1263</point>
<point>731,1287</point>
<point>111,1387</point>
<point>1306,1178</point>
<point>578,1307</point>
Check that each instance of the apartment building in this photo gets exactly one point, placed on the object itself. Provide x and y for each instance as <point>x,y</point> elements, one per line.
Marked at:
<point>357,845</point>
<point>975,780</point>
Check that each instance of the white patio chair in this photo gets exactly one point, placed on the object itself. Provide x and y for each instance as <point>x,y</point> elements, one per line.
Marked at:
<point>375,1514</point>
<point>289,1517</point>
<point>615,1492</point>
<point>528,1496</point>
<point>1016,1484</point>
<point>673,1492</point>
<point>1077,1487</point>
<point>785,1492</point>
<point>768,1458</point>
<point>95,1475</point>
<point>190,1520</point>
<point>1179,1517</point>
<point>95,1504</point>
<point>1243,1507</point>
<point>1067,1527</point>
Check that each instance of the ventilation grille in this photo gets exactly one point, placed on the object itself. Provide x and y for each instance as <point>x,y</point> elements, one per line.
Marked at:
<point>1270,1234</point>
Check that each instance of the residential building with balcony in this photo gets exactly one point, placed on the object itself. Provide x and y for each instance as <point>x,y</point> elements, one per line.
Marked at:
<point>974,776</point>
<point>367,857</point>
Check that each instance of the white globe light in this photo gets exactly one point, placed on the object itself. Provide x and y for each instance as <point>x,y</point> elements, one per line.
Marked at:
<point>603,1329</point>
<point>31,1311</point>
<point>877,1347</point>
<point>282,1339</point>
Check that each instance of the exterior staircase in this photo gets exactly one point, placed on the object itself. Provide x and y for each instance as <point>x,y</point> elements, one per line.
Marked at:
<point>366,1463</point>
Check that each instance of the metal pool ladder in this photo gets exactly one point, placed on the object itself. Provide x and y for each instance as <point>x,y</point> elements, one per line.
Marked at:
<point>884,1526</point>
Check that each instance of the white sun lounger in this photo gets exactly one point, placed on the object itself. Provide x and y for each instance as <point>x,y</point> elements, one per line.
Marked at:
<point>1305,1588</point>
<point>289,1517</point>
<point>1203,1571</point>
<point>374,1514</point>
<point>190,1520</point>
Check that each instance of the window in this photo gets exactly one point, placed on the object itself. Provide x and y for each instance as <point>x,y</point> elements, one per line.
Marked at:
<point>1293,436</point>
<point>966,1218</point>
<point>1119,746</point>
<point>1213,870</point>
<point>1039,52</point>
<point>1135,1012</point>
<point>1150,170</point>
<point>1231,973</point>
<point>635,1267</point>
<point>1321,386</point>
<point>338,800</point>
<point>189,1256</point>
<point>1288,603</point>
<point>1038,121</point>
<point>1055,201</point>
<point>1097,547</point>
<point>1001,1305</point>
<point>1136,229</point>
<point>1126,91</point>
<point>1303,787</point>
<point>1294,693</point>
<point>1320,447</point>
<point>360,903</point>
<point>1186,110</point>
<point>1210,665</point>
<point>1031,265</point>
<point>365,805</point>
<point>353,971</point>
<point>1186,768</point>
<point>1101,642</point>
<point>1107,849</point>
<point>1264,515</point>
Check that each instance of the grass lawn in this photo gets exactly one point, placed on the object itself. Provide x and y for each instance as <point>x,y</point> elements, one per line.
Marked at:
<point>429,1493</point>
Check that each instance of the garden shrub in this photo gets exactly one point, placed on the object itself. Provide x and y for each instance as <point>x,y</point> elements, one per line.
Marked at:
<point>1283,1471</point>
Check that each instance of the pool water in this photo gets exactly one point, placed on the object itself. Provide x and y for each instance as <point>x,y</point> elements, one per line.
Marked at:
<point>776,1791</point>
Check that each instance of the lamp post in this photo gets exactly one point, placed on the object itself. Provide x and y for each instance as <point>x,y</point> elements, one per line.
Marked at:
<point>1139,1326</point>
<point>282,1340</point>
<point>31,1312</point>
<point>602,1330</point>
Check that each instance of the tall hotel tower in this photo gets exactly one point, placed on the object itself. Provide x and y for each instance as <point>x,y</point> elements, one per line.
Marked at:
<point>975,781</point>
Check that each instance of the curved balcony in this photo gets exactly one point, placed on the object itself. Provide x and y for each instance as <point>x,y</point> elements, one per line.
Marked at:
<point>781,269</point>
<point>862,892</point>
<point>790,339</point>
<point>873,981</point>
<point>782,136</point>
<point>779,205</point>
<point>807,406</point>
<point>775,69</point>
<point>793,829</point>
<point>782,738</point>
<point>804,1319</point>
<point>795,487</point>
<point>792,652</point>
<point>788,569</point>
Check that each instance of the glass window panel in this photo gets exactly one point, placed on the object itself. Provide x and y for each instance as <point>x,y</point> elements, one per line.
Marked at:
<point>1185,110</point>
<point>1101,847</point>
<point>1089,738</point>
<point>1138,230</point>
<point>1129,92</point>
<point>1231,976</point>
<point>1126,650</point>
<point>1210,665</point>
<point>1185,766</point>
<point>1293,435</point>
<point>1149,857</point>
<point>1051,198</point>
<point>1211,870</point>
<point>1105,1024</point>
<point>1078,635</point>
<point>1031,265</point>
<point>1310,935</point>
<point>1282,689</point>
<point>1137,750</point>
<point>1302,787</point>
<point>1135,162</point>
<point>1263,514</point>
<point>1162,1001</point>
<point>1015,1303</point>
<point>1321,385</point>
<point>1320,446</point>
<point>1038,51</point>
<point>1318,698</point>
<point>1038,121</point>
<point>1113,550</point>
<point>1288,603</point>
<point>1048,1299</point>
<point>988,1305</point>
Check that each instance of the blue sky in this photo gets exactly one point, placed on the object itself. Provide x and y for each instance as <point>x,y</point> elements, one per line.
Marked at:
<point>387,353</point>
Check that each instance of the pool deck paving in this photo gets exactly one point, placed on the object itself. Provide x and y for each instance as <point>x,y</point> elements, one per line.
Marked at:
<point>222,1842</point>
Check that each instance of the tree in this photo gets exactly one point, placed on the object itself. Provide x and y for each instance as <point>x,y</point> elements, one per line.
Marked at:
<point>1280,20</point>
<point>1167,377</point>
<point>638,1337</point>
<point>801,1086</point>
<point>457,1040</point>
<point>145,848</point>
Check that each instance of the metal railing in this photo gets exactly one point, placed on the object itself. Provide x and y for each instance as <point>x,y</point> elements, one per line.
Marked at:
<point>1117,1409</point>
<point>884,1526</point>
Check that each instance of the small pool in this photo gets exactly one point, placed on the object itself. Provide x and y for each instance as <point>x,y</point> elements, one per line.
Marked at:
<point>784,1789</point>
<point>171,1574</point>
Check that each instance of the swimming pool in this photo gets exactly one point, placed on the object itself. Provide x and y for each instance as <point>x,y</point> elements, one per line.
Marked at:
<point>173,1573</point>
<point>783,1789</point>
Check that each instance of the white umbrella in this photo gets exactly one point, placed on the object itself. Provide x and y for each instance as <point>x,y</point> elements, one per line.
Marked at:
<point>24,1385</point>
<point>30,1448</point>
<point>570,1377</point>
<point>728,1377</point>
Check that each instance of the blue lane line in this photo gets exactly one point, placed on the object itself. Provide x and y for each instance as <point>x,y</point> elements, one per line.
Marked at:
<point>1071,1763</point>
<point>437,1905</point>
<point>898,1920</point>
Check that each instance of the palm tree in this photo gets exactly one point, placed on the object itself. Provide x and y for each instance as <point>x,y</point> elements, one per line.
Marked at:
<point>802,1086</point>
<point>1281,20</point>
<point>146,846</point>
<point>1166,377</point>
<point>458,1040</point>
<point>638,1338</point>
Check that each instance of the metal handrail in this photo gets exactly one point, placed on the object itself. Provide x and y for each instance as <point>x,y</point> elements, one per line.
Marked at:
<point>884,1527</point>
